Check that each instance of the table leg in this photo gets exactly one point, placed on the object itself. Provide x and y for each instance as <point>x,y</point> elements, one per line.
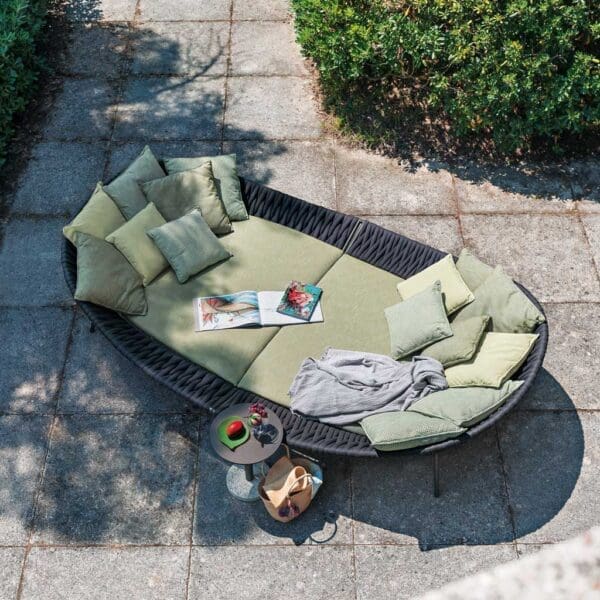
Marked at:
<point>249,472</point>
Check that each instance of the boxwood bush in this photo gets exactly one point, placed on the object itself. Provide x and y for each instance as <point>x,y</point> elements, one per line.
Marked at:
<point>21,22</point>
<point>516,71</point>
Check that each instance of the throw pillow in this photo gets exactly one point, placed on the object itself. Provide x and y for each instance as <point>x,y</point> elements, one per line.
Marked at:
<point>465,406</point>
<point>99,217</point>
<point>498,357</point>
<point>178,194</point>
<point>472,270</point>
<point>125,191</point>
<point>105,277</point>
<point>137,247</point>
<point>500,298</point>
<point>417,322</point>
<point>189,245</point>
<point>462,344</point>
<point>226,177</point>
<point>455,290</point>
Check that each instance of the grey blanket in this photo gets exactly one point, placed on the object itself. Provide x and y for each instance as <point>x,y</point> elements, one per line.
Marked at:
<point>346,386</point>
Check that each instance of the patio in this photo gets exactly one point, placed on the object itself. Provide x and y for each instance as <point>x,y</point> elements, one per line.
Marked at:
<point>108,487</point>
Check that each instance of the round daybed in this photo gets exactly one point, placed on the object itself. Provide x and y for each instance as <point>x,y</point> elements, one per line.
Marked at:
<point>354,237</point>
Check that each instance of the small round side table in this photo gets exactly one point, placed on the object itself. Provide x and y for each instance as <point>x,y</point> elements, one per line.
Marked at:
<point>244,474</point>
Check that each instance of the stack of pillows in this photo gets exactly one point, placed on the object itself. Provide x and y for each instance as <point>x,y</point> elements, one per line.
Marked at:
<point>474,320</point>
<point>146,221</point>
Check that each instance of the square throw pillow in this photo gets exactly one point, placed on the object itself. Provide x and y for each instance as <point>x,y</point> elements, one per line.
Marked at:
<point>99,217</point>
<point>455,290</point>
<point>189,245</point>
<point>472,270</point>
<point>465,406</point>
<point>105,277</point>
<point>226,177</point>
<point>498,357</point>
<point>500,298</point>
<point>131,240</point>
<point>176,195</point>
<point>462,344</point>
<point>125,189</point>
<point>417,322</point>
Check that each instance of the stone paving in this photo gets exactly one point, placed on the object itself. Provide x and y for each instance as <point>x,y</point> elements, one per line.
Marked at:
<point>107,486</point>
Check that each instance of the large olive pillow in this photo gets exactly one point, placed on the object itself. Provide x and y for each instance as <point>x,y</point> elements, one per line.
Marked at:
<point>417,322</point>
<point>455,290</point>
<point>472,270</point>
<point>105,277</point>
<point>125,189</point>
<point>131,240</point>
<point>189,245</point>
<point>500,298</point>
<point>226,177</point>
<point>178,194</point>
<point>465,406</point>
<point>462,344</point>
<point>99,217</point>
<point>498,357</point>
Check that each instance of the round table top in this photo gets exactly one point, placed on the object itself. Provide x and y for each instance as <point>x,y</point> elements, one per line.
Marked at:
<point>252,451</point>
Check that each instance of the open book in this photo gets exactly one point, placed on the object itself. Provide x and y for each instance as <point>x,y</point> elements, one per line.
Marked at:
<point>244,309</point>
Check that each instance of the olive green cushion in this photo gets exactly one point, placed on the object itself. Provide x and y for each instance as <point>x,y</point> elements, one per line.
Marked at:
<point>498,357</point>
<point>455,290</point>
<point>354,297</point>
<point>125,189</point>
<point>105,277</point>
<point>465,406</point>
<point>462,344</point>
<point>189,245</point>
<point>510,309</point>
<point>403,429</point>
<point>178,194</point>
<point>99,217</point>
<point>226,177</point>
<point>472,270</point>
<point>255,265</point>
<point>417,322</point>
<point>133,242</point>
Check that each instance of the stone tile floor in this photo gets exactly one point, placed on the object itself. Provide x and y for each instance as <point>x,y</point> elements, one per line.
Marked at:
<point>107,486</point>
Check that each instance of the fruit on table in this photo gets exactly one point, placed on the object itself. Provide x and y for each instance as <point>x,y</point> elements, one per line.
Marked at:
<point>234,430</point>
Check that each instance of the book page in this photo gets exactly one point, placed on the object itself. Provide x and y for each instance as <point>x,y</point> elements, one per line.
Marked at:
<point>227,311</point>
<point>267,306</point>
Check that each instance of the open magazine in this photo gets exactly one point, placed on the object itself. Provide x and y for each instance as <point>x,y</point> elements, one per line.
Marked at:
<point>244,309</point>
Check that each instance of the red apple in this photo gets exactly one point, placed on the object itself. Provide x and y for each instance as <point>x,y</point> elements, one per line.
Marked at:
<point>234,430</point>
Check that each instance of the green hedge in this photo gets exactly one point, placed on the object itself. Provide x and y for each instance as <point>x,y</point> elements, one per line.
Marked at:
<point>21,22</point>
<point>515,71</point>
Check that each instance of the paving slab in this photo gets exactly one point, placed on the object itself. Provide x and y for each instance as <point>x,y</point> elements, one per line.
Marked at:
<point>32,356</point>
<point>23,441</point>
<point>196,49</point>
<point>318,573</point>
<point>59,178</point>
<point>442,233</point>
<point>384,572</point>
<point>115,573</point>
<point>271,108</point>
<point>394,502</point>
<point>185,108</point>
<point>30,269</point>
<point>82,111</point>
<point>10,571</point>
<point>100,10</point>
<point>302,169</point>
<point>548,254</point>
<point>97,50</point>
<point>265,48</point>
<point>118,480</point>
<point>369,184</point>
<point>184,10</point>
<point>552,461</point>
<point>266,10</point>
<point>100,380</point>
<point>572,362</point>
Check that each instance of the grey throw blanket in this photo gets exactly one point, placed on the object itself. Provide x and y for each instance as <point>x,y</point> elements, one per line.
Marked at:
<point>346,386</point>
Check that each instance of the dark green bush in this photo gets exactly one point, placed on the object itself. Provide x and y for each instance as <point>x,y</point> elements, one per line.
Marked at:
<point>21,22</point>
<point>516,71</point>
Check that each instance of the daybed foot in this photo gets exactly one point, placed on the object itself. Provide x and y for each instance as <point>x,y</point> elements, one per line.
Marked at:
<point>436,475</point>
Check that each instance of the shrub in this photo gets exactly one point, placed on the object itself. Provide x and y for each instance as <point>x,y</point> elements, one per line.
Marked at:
<point>515,71</point>
<point>21,22</point>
